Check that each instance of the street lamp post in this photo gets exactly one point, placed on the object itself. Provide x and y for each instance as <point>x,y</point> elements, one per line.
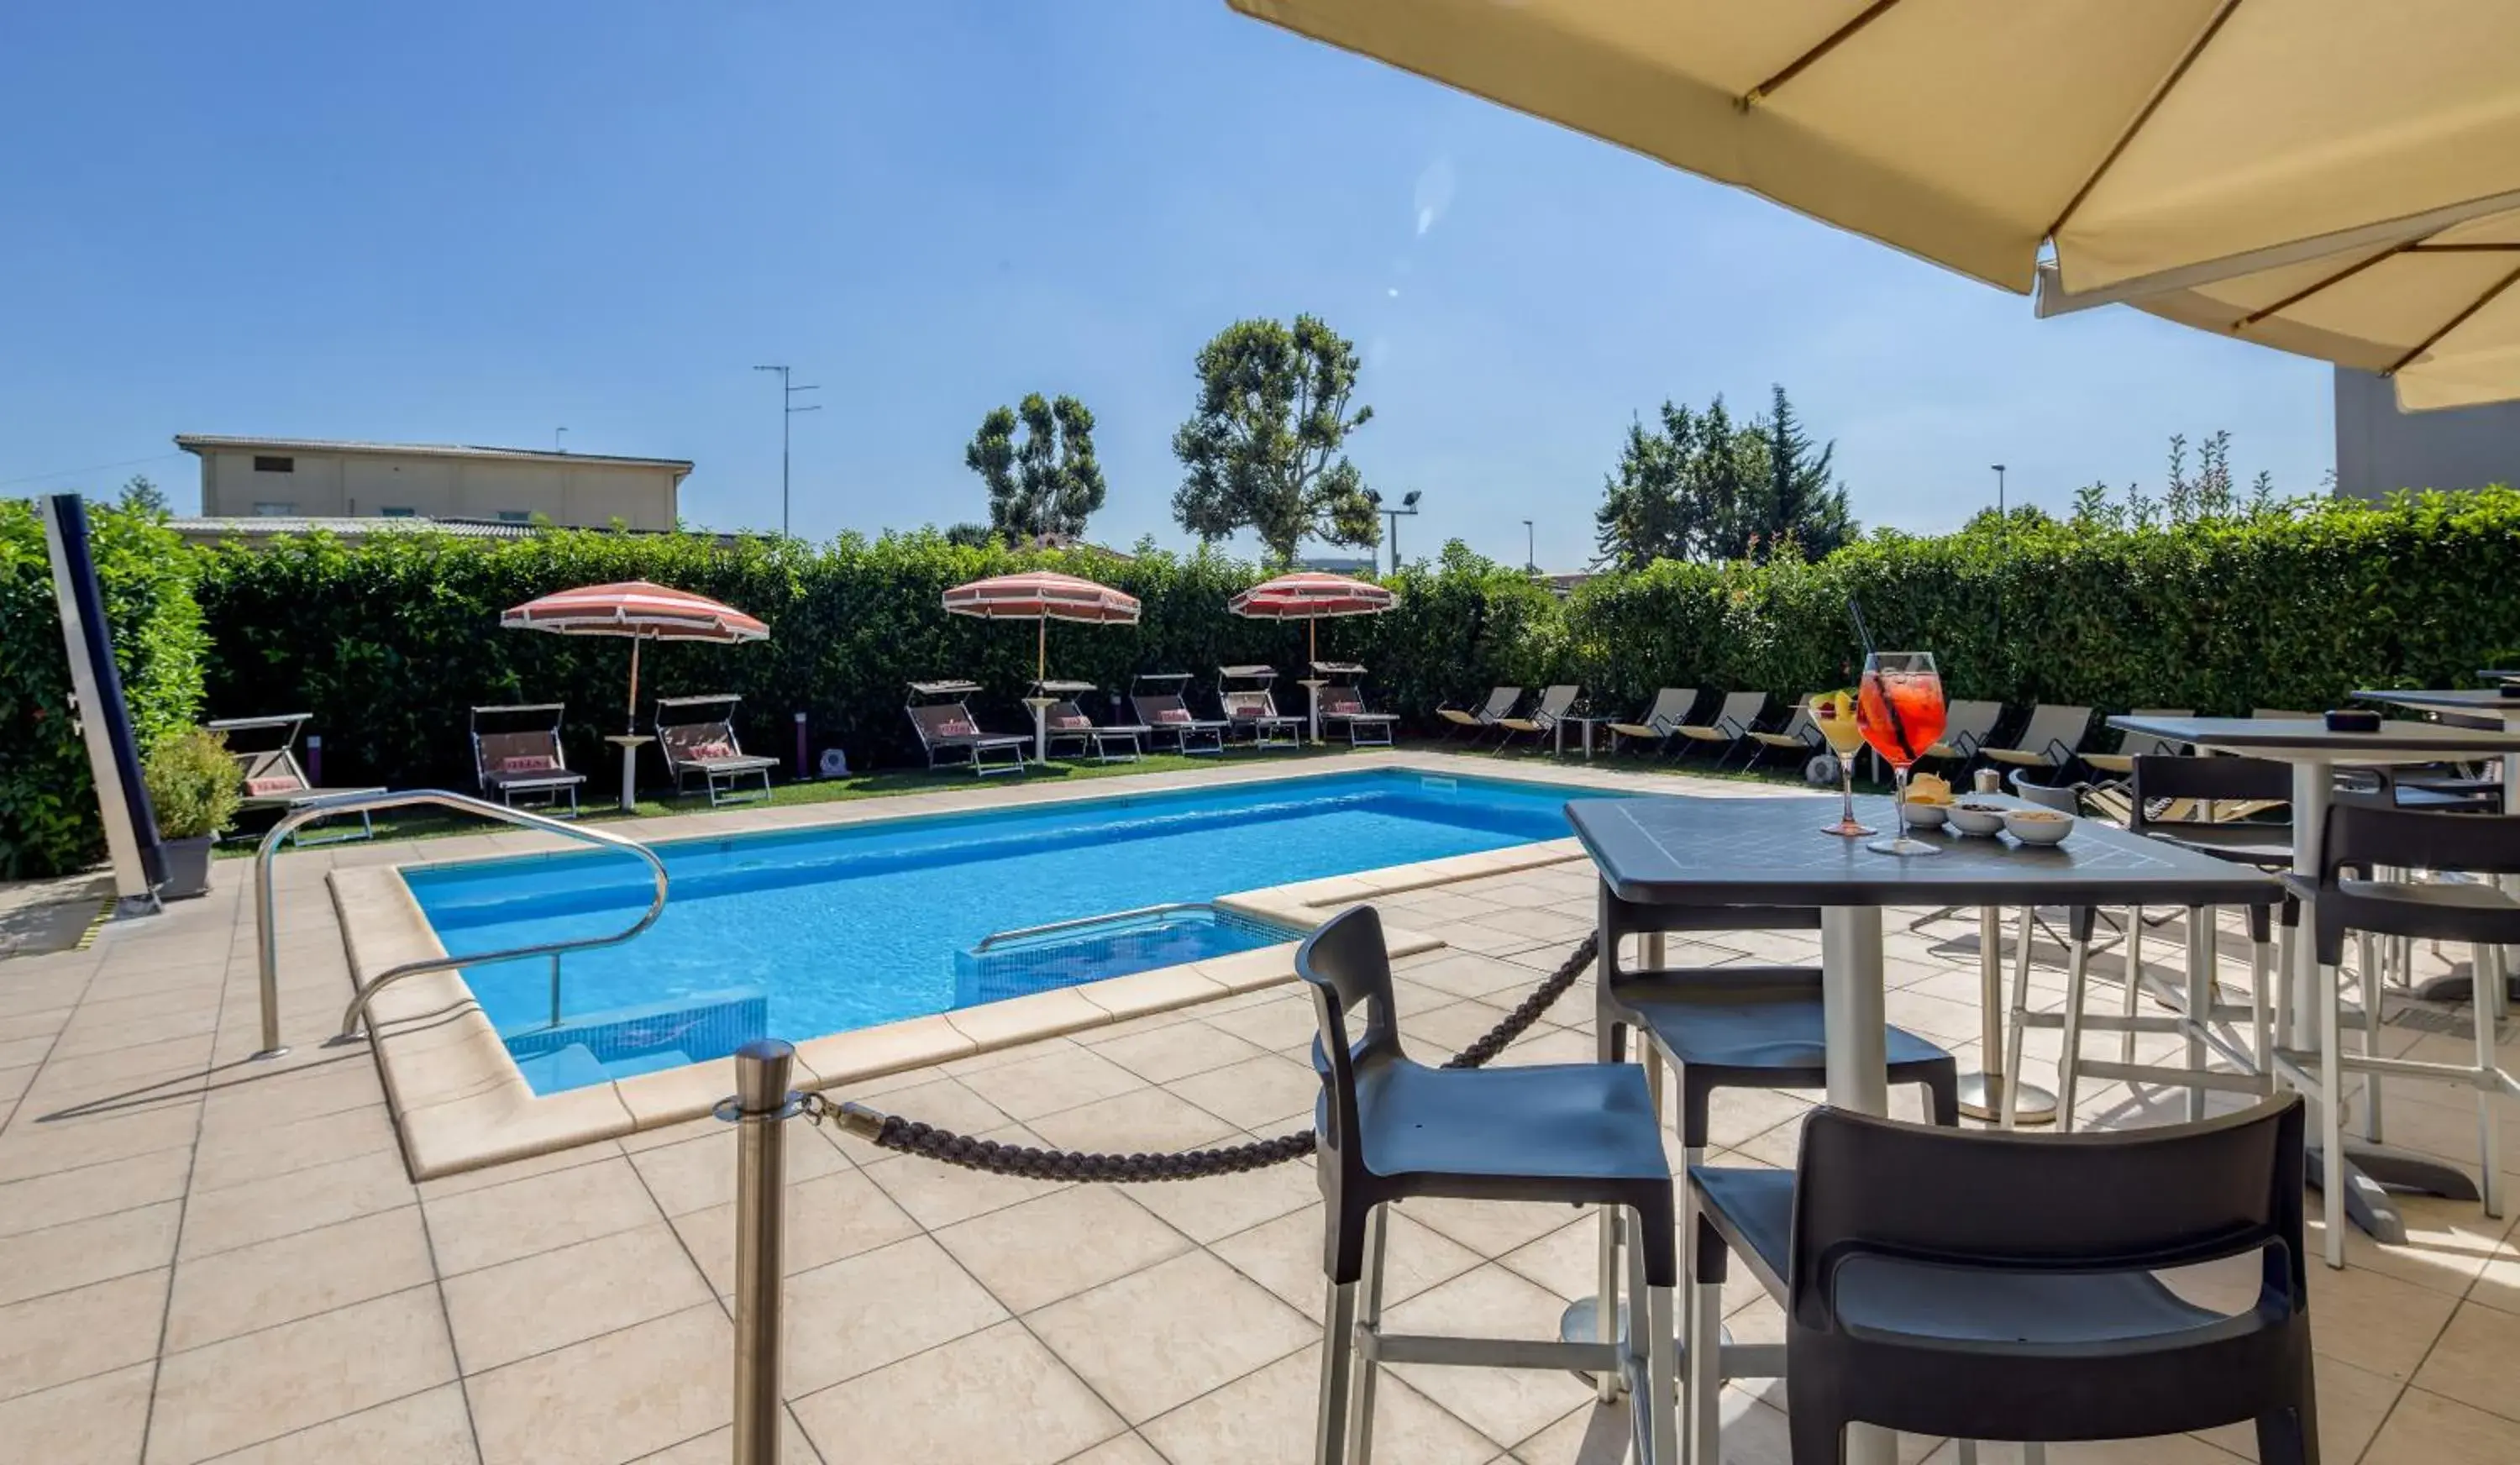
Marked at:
<point>1392,516</point>
<point>2003,544</point>
<point>1530,551</point>
<point>788,410</point>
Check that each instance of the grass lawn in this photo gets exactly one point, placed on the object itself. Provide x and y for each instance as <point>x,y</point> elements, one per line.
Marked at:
<point>599,808</point>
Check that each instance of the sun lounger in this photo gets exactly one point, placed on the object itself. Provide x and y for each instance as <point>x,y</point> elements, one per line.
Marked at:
<point>1478,720</point>
<point>947,730</point>
<point>697,736</point>
<point>1155,699</point>
<point>1342,703</point>
<point>518,754</point>
<point>1066,725</point>
<point>1800,736</point>
<point>1555,703</point>
<point>1731,727</point>
<point>2120,764</point>
<point>1250,708</point>
<point>1966,726</point>
<point>265,749</point>
<point>2052,738</point>
<point>1671,707</point>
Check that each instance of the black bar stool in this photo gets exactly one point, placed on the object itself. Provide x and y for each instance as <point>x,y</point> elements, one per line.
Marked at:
<point>1579,1133</point>
<point>2037,1318</point>
<point>2362,840</point>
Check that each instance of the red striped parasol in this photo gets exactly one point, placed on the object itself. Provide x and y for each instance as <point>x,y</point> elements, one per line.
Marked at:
<point>1043,596</point>
<point>1311,596</point>
<point>639,610</point>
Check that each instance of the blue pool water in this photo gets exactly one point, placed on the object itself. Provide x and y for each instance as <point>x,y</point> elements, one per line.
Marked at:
<point>808,932</point>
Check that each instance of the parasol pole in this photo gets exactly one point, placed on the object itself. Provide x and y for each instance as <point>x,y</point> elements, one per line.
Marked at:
<point>1041,652</point>
<point>632,726</point>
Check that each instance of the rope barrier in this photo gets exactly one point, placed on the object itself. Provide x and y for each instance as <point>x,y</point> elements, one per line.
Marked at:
<point>910,1137</point>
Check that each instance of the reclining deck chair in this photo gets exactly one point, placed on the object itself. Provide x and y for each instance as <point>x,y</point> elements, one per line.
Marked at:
<point>1252,708</point>
<point>1671,707</point>
<point>1555,703</point>
<point>1341,699</point>
<point>700,742</point>
<point>947,730</point>
<point>265,749</point>
<point>1477,720</point>
<point>1731,727</point>
<point>2052,739</point>
<point>1800,735</point>
<point>1064,723</point>
<point>1966,726</point>
<point>519,753</point>
<point>1155,699</point>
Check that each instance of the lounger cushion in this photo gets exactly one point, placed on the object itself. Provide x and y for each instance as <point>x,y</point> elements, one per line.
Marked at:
<point>528,763</point>
<point>1172,714</point>
<point>264,787</point>
<point>954,727</point>
<point>1071,722</point>
<point>715,748</point>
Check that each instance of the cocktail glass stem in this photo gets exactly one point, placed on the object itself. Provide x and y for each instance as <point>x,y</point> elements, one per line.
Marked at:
<point>1899,771</point>
<point>1846,789</point>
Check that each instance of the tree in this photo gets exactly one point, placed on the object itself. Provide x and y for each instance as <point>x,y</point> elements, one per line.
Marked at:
<point>1705,488</point>
<point>971,536</point>
<point>1047,484</point>
<point>1802,506</point>
<point>143,496</point>
<point>1262,452</point>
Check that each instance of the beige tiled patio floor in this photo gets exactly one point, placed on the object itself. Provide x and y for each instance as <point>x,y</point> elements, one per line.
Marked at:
<point>237,1268</point>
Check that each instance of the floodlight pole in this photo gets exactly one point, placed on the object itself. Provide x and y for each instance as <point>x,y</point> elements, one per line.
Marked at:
<point>1392,516</point>
<point>2003,544</point>
<point>788,410</point>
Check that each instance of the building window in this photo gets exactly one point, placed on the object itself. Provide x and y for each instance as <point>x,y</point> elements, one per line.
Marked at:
<point>270,509</point>
<point>266,465</point>
<point>391,512</point>
<point>515,517</point>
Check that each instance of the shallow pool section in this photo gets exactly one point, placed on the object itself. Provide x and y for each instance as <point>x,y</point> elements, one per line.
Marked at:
<point>807,932</point>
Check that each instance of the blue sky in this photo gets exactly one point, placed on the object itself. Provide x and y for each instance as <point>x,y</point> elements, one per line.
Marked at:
<point>473,223</point>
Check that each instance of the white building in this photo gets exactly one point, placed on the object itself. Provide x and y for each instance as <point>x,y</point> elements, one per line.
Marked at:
<point>296,478</point>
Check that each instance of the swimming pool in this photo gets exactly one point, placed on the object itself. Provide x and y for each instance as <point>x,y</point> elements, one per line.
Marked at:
<point>807,932</point>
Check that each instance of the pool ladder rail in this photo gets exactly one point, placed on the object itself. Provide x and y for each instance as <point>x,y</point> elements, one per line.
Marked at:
<point>265,923</point>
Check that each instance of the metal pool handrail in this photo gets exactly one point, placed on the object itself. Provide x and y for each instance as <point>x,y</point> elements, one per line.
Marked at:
<point>363,803</point>
<point>996,938</point>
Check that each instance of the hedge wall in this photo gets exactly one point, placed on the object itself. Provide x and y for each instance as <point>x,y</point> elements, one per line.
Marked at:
<point>48,822</point>
<point>388,642</point>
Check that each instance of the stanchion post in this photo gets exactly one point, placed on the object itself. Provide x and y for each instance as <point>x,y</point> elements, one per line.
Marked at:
<point>759,1110</point>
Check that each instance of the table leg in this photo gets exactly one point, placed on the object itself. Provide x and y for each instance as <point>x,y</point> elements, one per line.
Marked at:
<point>1041,734</point>
<point>1983,1093</point>
<point>1859,1069</point>
<point>629,777</point>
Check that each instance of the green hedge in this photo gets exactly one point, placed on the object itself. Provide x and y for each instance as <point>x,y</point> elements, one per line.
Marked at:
<point>390,641</point>
<point>48,820</point>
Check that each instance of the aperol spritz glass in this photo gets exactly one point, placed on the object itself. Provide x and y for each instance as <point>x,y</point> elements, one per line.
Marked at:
<point>1833,713</point>
<point>1900,708</point>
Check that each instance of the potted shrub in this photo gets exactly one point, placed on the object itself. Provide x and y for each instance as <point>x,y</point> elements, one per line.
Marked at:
<point>193,787</point>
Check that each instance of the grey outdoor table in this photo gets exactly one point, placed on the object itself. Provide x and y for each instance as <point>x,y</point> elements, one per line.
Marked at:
<point>2315,754</point>
<point>1677,854</point>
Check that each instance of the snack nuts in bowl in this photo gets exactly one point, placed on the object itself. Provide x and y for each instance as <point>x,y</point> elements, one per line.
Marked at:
<point>1970,816</point>
<point>2038,826</point>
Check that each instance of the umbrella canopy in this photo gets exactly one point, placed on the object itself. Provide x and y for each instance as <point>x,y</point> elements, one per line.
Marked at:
<point>2140,139</point>
<point>2439,311</point>
<point>639,610</point>
<point>1044,596</point>
<point>1311,597</point>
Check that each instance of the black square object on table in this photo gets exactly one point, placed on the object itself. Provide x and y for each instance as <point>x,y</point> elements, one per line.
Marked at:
<point>1681,851</point>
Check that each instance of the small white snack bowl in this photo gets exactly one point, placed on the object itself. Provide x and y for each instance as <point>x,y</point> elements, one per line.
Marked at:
<point>1978,819</point>
<point>1925,816</point>
<point>2038,826</point>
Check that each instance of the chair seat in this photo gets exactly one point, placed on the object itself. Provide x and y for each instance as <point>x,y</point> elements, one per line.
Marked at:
<point>1579,1122</point>
<point>2267,846</point>
<point>1921,1303</point>
<point>1767,1020</point>
<point>738,763</point>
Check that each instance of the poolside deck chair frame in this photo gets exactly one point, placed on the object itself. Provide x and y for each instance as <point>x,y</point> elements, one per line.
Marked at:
<point>1253,708</point>
<point>1155,700</point>
<point>1342,702</point>
<point>1477,720</point>
<point>526,761</point>
<point>1738,713</point>
<point>2052,738</point>
<point>1966,726</point>
<point>1066,722</point>
<point>706,748</point>
<point>273,777</point>
<point>946,731</point>
<point>1671,707</point>
<point>1799,735</point>
<point>1555,704</point>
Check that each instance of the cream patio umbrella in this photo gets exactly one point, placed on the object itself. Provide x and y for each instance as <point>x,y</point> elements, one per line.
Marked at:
<point>2438,312</point>
<point>2165,142</point>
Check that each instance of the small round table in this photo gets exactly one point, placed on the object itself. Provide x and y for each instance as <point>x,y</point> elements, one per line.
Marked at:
<point>629,743</point>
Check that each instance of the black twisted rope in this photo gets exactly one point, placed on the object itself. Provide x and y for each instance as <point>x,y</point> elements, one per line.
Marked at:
<point>910,1137</point>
